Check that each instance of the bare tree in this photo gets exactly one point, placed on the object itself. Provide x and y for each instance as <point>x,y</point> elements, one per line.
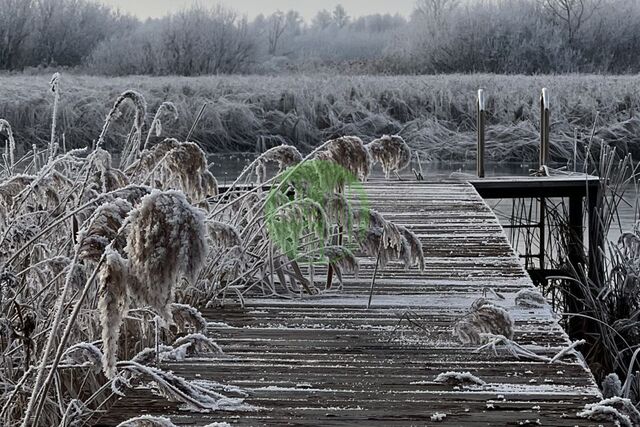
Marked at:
<point>16,17</point>
<point>277,27</point>
<point>572,14</point>
<point>435,11</point>
<point>340,17</point>
<point>322,19</point>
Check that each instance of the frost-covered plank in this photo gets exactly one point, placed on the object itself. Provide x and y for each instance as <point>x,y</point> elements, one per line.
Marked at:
<point>327,360</point>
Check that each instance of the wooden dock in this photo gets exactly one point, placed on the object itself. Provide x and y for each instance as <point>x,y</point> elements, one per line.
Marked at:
<point>327,360</point>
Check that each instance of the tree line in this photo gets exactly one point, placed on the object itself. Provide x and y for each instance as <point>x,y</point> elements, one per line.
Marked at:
<point>440,36</point>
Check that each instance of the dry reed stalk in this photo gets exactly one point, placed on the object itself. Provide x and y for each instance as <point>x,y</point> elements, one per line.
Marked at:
<point>11,148</point>
<point>54,85</point>
<point>156,123</point>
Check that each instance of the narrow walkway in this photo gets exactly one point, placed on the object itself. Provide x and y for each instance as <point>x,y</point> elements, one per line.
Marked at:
<point>328,361</point>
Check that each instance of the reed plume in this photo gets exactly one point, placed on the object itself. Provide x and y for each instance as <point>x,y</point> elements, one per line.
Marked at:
<point>391,152</point>
<point>166,242</point>
<point>102,229</point>
<point>114,279</point>
<point>484,318</point>
<point>350,153</point>
<point>284,155</point>
<point>166,108</point>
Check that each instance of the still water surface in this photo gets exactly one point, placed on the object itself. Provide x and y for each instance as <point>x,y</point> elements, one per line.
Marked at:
<point>227,167</point>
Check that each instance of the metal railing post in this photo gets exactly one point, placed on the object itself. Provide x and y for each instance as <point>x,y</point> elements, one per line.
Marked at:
<point>544,127</point>
<point>481,140</point>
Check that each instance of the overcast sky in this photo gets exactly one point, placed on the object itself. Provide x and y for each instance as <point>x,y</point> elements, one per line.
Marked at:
<point>156,8</point>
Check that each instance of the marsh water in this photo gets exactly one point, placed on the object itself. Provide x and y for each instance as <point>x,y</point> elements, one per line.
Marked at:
<point>227,167</point>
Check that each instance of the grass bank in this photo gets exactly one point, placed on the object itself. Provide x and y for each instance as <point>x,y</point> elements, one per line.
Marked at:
<point>435,114</point>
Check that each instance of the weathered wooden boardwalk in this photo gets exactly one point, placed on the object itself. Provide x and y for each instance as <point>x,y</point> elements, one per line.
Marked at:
<point>327,360</point>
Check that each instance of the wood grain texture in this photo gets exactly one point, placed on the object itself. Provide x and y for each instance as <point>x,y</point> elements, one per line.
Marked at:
<point>327,360</point>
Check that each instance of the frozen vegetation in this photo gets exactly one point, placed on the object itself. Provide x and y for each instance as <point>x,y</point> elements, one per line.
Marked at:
<point>435,115</point>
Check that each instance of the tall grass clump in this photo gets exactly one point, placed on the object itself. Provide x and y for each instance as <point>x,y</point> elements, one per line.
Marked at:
<point>103,267</point>
<point>599,297</point>
<point>435,115</point>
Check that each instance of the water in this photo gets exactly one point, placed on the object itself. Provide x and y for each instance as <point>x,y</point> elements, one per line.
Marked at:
<point>227,167</point>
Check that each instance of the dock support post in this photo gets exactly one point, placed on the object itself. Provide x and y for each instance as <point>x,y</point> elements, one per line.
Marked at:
<point>544,128</point>
<point>575,252</point>
<point>596,235</point>
<point>481,126</point>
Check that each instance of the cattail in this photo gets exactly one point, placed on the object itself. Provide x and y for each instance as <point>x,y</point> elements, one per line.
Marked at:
<point>147,421</point>
<point>391,152</point>
<point>530,298</point>
<point>484,318</point>
<point>166,242</point>
<point>6,127</point>
<point>113,279</point>
<point>102,229</point>
<point>350,153</point>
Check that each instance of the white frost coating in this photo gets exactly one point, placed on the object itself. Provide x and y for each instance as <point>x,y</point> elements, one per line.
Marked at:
<point>177,354</point>
<point>184,314</point>
<point>459,378</point>
<point>166,242</point>
<point>222,424</point>
<point>481,100</point>
<point>438,416</point>
<point>611,386</point>
<point>616,409</point>
<point>199,344</point>
<point>392,152</point>
<point>545,98</point>
<point>530,298</point>
<point>4,125</point>
<point>112,305</point>
<point>147,421</point>
<point>484,318</point>
<point>566,350</point>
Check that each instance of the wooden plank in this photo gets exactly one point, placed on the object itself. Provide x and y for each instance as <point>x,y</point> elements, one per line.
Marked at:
<point>327,360</point>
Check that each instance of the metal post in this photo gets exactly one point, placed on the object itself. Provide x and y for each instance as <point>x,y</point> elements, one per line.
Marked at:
<point>544,127</point>
<point>481,125</point>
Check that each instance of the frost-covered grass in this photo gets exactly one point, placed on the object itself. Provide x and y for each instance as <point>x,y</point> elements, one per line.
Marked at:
<point>102,266</point>
<point>435,114</point>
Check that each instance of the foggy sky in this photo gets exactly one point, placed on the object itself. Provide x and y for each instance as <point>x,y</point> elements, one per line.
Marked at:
<point>157,8</point>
